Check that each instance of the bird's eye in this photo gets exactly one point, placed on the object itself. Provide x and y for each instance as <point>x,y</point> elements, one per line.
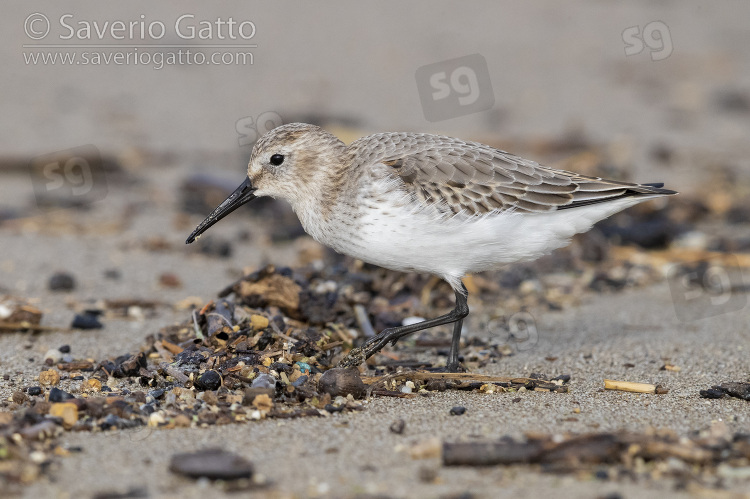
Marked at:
<point>277,159</point>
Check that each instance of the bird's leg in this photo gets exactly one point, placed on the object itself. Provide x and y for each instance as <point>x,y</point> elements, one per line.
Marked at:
<point>391,335</point>
<point>452,365</point>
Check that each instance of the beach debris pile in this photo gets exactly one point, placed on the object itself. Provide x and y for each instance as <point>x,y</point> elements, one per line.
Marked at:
<point>265,348</point>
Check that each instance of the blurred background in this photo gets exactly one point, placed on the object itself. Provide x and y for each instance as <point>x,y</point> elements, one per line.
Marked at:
<point>123,125</point>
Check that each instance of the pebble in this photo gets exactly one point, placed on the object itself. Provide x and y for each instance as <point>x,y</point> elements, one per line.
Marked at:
<point>157,394</point>
<point>86,321</point>
<point>19,397</point>
<point>112,274</point>
<point>57,395</point>
<point>258,322</point>
<point>300,381</point>
<point>215,247</point>
<point>263,381</point>
<point>61,281</point>
<point>458,410</point>
<point>67,411</point>
<point>64,349</point>
<point>182,421</point>
<point>54,355</point>
<point>91,385</point>
<point>169,280</point>
<point>34,390</point>
<point>214,464</point>
<point>49,377</point>
<point>338,381</point>
<point>398,426</point>
<point>209,380</point>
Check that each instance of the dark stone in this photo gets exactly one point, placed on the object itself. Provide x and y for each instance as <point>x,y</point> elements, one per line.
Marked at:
<point>732,388</point>
<point>209,380</point>
<point>61,281</point>
<point>458,410</point>
<point>189,359</point>
<point>662,153</point>
<point>131,493</point>
<point>265,339</point>
<point>215,247</point>
<point>732,100</point>
<point>113,274</point>
<point>86,321</point>
<point>281,366</point>
<point>157,394</point>
<point>398,426</point>
<point>113,422</point>
<point>300,381</point>
<point>214,464</point>
<point>334,408</point>
<point>651,231</point>
<point>147,409</point>
<point>318,308</point>
<point>64,349</point>
<point>57,395</point>
<point>34,390</point>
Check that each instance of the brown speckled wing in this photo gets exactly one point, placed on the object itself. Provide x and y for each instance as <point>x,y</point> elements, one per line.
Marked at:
<point>472,178</point>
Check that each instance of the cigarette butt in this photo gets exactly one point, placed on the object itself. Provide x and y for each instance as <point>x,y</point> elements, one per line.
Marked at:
<point>629,386</point>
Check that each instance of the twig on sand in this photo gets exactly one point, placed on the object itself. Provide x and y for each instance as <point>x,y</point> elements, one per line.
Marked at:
<point>629,386</point>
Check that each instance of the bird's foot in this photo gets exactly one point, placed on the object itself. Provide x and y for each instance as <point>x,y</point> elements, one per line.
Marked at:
<point>355,357</point>
<point>358,355</point>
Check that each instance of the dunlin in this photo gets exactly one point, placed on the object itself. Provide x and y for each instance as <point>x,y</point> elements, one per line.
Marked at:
<point>416,202</point>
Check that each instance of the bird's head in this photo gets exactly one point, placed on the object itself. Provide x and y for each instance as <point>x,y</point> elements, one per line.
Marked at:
<point>293,162</point>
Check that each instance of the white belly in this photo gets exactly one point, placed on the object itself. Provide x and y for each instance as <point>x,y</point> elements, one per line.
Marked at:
<point>407,238</point>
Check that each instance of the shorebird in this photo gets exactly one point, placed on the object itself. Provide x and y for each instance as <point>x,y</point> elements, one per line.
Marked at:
<point>415,202</point>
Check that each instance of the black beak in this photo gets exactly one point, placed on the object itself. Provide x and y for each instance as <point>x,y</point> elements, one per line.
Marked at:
<point>242,195</point>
